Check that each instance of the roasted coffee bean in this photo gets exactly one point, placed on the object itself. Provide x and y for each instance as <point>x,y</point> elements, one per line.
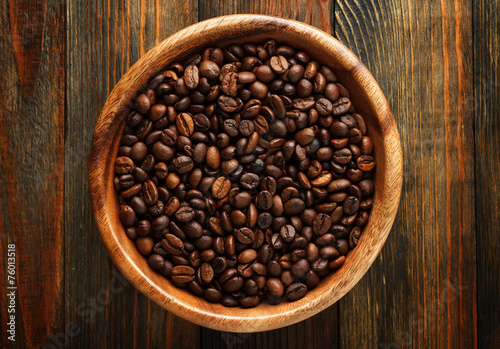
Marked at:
<point>365,163</point>
<point>128,216</point>
<point>245,235</point>
<point>185,124</point>
<point>247,256</point>
<point>293,206</point>
<point>296,291</point>
<point>264,200</point>
<point>182,274</point>
<point>172,244</point>
<point>250,181</point>
<point>322,223</point>
<point>287,233</point>
<point>275,290</point>
<point>185,214</point>
<point>221,187</point>
<point>144,245</point>
<point>123,165</point>
<point>341,106</point>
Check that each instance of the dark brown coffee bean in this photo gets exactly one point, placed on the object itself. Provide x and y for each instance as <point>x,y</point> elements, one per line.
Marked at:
<point>207,273</point>
<point>245,235</point>
<point>183,164</point>
<point>365,163</point>
<point>268,184</point>
<point>337,263</point>
<point>185,214</point>
<point>250,181</point>
<point>242,200</point>
<point>303,104</point>
<point>305,136</point>
<point>277,105</point>
<point>351,205</point>
<point>172,244</point>
<point>275,290</point>
<point>296,291</point>
<point>264,200</point>
<point>324,106</point>
<point>300,268</point>
<point>123,165</point>
<point>322,223</point>
<point>250,301</point>
<point>265,253</point>
<point>341,106</point>
<point>342,246</point>
<point>127,216</point>
<point>212,295</point>
<point>293,206</point>
<point>247,256</point>
<point>182,274</point>
<point>287,233</point>
<point>145,245</point>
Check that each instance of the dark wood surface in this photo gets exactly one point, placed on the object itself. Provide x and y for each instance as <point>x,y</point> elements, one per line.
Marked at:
<point>436,282</point>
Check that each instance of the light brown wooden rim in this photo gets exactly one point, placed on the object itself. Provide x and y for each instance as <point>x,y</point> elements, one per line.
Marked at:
<point>369,100</point>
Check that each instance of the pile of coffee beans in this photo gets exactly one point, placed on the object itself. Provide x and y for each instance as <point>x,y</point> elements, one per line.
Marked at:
<point>244,174</point>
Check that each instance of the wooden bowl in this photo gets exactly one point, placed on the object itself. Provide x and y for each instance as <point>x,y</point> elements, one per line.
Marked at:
<point>368,101</point>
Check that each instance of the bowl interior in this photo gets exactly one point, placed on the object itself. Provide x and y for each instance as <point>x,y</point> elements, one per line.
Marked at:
<point>368,101</point>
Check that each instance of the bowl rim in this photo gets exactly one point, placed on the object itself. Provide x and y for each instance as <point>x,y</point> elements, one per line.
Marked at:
<point>194,309</point>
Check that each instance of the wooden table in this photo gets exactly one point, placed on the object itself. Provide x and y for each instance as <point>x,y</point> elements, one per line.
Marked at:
<point>437,279</point>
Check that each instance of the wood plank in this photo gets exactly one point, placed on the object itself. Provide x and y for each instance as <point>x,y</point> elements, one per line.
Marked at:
<point>420,292</point>
<point>31,163</point>
<point>321,330</point>
<point>104,39</point>
<point>487,93</point>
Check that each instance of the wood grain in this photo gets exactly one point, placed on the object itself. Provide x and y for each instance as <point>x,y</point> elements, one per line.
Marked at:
<point>27,23</point>
<point>319,14</point>
<point>32,161</point>
<point>487,127</point>
<point>106,38</point>
<point>421,291</point>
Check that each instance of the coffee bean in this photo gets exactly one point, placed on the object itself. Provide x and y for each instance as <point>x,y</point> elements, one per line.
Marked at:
<point>245,235</point>
<point>322,223</point>
<point>293,206</point>
<point>287,233</point>
<point>247,256</point>
<point>279,64</point>
<point>305,136</point>
<point>185,124</point>
<point>182,274</point>
<point>296,291</point>
<point>341,106</point>
<point>221,187</point>
<point>172,244</point>
<point>275,290</point>
<point>351,205</point>
<point>185,214</point>
<point>250,181</point>
<point>264,200</point>
<point>127,216</point>
<point>213,158</point>
<point>365,163</point>
<point>123,165</point>
<point>191,76</point>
